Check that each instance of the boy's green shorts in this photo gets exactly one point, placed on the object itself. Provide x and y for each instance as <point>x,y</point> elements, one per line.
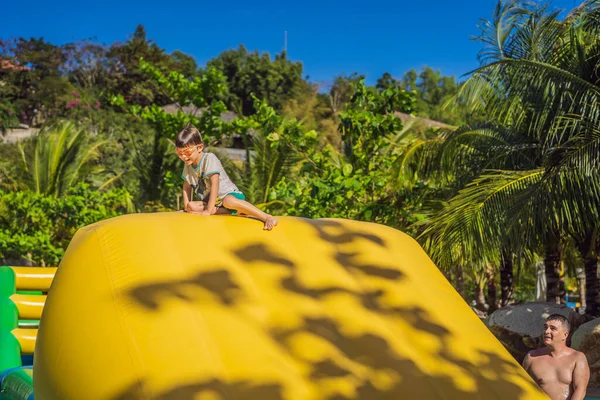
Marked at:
<point>237,195</point>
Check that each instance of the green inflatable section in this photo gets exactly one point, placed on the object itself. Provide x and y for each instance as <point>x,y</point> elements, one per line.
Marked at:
<point>10,351</point>
<point>17,384</point>
<point>16,381</point>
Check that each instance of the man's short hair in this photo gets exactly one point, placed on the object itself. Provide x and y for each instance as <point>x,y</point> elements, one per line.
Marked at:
<point>562,319</point>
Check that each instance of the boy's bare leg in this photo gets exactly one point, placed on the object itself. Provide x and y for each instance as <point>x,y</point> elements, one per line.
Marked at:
<point>244,207</point>
<point>222,211</point>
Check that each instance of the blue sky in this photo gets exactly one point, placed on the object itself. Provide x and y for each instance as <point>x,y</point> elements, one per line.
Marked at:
<point>330,37</point>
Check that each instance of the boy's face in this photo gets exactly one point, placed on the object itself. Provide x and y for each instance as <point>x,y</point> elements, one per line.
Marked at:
<point>190,154</point>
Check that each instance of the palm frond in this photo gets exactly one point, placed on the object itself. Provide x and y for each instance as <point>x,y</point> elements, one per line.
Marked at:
<point>62,155</point>
<point>110,181</point>
<point>581,151</point>
<point>536,37</point>
<point>270,162</point>
<point>475,221</point>
<point>418,159</point>
<point>496,34</point>
<point>586,15</point>
<point>470,150</point>
<point>83,158</point>
<point>566,202</point>
<point>528,94</point>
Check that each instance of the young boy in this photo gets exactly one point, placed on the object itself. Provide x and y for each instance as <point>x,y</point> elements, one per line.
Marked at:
<point>204,173</point>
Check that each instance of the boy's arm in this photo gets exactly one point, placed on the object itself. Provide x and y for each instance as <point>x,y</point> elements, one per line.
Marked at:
<point>187,194</point>
<point>214,192</point>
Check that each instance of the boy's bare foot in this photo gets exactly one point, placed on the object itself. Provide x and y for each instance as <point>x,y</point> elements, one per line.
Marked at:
<point>270,223</point>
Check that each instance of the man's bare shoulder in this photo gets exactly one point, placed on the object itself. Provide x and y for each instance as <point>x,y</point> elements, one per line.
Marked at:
<point>578,355</point>
<point>572,353</point>
<point>543,351</point>
<point>532,356</point>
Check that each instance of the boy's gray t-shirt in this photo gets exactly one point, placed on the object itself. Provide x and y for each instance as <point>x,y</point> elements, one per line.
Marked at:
<point>199,177</point>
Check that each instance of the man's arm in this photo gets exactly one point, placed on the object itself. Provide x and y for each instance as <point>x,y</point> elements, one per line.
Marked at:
<point>581,377</point>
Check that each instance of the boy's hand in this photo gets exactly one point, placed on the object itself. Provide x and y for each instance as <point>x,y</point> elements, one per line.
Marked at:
<point>194,207</point>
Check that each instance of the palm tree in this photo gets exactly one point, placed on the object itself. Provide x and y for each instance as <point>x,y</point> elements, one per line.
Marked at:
<point>456,161</point>
<point>536,71</point>
<point>61,155</point>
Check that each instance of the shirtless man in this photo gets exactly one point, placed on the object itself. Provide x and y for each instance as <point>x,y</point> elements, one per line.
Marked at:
<point>561,372</point>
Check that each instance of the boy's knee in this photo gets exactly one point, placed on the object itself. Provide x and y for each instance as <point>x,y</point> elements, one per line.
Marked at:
<point>230,201</point>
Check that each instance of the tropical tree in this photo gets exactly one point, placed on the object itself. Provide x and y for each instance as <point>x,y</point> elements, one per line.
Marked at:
<point>33,84</point>
<point>130,80</point>
<point>536,71</point>
<point>250,73</point>
<point>352,182</point>
<point>61,155</point>
<point>453,161</point>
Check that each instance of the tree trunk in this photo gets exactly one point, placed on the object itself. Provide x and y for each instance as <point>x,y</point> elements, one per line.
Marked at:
<point>480,298</point>
<point>555,292</point>
<point>592,283</point>
<point>581,285</point>
<point>562,288</point>
<point>492,297</point>
<point>506,278</point>
<point>460,281</point>
<point>589,253</point>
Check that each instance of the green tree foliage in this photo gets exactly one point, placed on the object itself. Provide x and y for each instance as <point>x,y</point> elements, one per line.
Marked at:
<point>253,74</point>
<point>353,183</point>
<point>58,158</point>
<point>434,91</point>
<point>277,146</point>
<point>131,82</point>
<point>39,227</point>
<point>34,85</point>
<point>312,109</point>
<point>87,65</point>
<point>8,117</point>
<point>530,192</point>
<point>342,90</point>
<point>184,64</point>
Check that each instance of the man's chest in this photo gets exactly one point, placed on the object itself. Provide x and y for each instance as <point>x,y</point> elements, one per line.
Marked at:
<point>549,370</point>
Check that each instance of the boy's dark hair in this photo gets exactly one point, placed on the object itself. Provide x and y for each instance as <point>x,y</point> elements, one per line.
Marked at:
<point>561,319</point>
<point>188,136</point>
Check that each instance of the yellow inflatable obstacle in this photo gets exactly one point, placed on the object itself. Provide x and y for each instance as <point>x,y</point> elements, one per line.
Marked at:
<point>179,306</point>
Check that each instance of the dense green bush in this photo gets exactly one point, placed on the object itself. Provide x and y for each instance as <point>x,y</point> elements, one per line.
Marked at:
<point>39,227</point>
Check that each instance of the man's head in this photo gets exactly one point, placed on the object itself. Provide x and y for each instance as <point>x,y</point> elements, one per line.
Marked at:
<point>556,330</point>
<point>189,145</point>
